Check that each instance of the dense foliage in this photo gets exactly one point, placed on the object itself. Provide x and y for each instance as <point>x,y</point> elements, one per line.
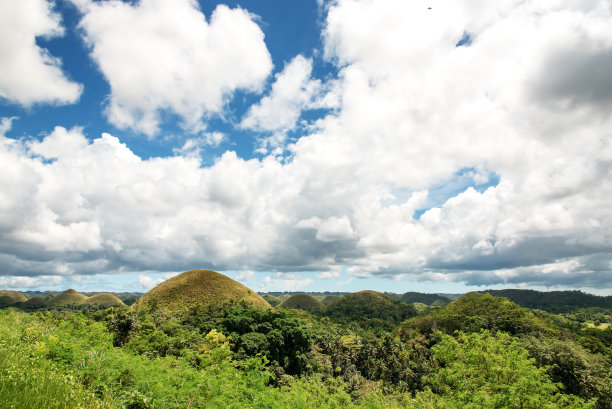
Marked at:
<point>367,351</point>
<point>427,299</point>
<point>554,301</point>
<point>369,310</point>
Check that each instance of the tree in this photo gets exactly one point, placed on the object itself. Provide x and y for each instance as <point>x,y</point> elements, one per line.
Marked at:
<point>490,371</point>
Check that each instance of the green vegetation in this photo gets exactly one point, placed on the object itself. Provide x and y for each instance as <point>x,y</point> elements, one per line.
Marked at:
<point>105,300</point>
<point>364,350</point>
<point>68,297</point>
<point>369,310</point>
<point>475,311</point>
<point>11,297</point>
<point>328,299</point>
<point>302,302</point>
<point>490,371</point>
<point>554,301</point>
<point>271,299</point>
<point>197,287</point>
<point>427,299</point>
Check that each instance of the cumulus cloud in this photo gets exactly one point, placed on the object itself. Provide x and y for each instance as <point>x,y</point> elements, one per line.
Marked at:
<point>29,74</point>
<point>292,91</point>
<point>326,275</point>
<point>164,56</point>
<point>246,276</point>
<point>148,282</point>
<point>477,164</point>
<point>285,282</point>
<point>30,282</point>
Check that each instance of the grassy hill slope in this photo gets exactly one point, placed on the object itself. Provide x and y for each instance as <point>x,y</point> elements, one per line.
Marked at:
<point>8,297</point>
<point>301,302</point>
<point>68,297</point>
<point>104,299</point>
<point>198,288</point>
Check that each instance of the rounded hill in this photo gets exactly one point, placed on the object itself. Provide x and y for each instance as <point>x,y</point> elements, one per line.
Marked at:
<point>105,300</point>
<point>36,301</point>
<point>369,309</point>
<point>301,302</point>
<point>68,297</point>
<point>198,288</point>
<point>331,298</point>
<point>475,311</point>
<point>8,297</point>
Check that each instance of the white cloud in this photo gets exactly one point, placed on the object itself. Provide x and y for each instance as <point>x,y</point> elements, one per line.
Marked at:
<point>285,282</point>
<point>292,91</point>
<point>335,228</point>
<point>30,74</point>
<point>194,146</point>
<point>245,276</point>
<point>326,275</point>
<point>417,114</point>
<point>148,282</point>
<point>30,282</point>
<point>164,56</point>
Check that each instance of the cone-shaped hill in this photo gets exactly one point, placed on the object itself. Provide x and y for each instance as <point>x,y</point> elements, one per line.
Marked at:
<point>198,288</point>
<point>331,298</point>
<point>475,311</point>
<point>301,302</point>
<point>8,297</point>
<point>105,300</point>
<point>68,297</point>
<point>370,309</point>
<point>36,301</point>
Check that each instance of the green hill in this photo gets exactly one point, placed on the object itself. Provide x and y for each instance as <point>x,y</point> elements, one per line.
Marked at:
<point>36,301</point>
<point>198,288</point>
<point>104,299</point>
<point>271,299</point>
<point>8,297</point>
<point>68,297</point>
<point>301,302</point>
<point>331,298</point>
<point>475,311</point>
<point>553,301</point>
<point>369,309</point>
<point>427,299</point>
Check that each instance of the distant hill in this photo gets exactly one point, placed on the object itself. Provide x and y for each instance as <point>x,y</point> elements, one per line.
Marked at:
<point>369,309</point>
<point>105,300</point>
<point>302,302</point>
<point>553,301</point>
<point>328,299</point>
<point>271,299</point>
<point>37,301</point>
<point>427,299</point>
<point>476,311</point>
<point>68,297</point>
<point>198,288</point>
<point>8,297</point>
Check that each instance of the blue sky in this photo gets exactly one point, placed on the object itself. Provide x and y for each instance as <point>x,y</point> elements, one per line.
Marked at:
<point>314,145</point>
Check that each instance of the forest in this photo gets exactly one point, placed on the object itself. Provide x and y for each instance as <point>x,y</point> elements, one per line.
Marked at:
<point>201,340</point>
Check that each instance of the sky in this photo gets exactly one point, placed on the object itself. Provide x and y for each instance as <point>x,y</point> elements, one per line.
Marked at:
<point>312,145</point>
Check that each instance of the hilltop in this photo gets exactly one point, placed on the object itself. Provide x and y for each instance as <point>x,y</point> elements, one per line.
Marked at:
<point>198,288</point>
<point>104,299</point>
<point>68,297</point>
<point>8,297</point>
<point>553,301</point>
<point>369,309</point>
<point>302,302</point>
<point>476,311</point>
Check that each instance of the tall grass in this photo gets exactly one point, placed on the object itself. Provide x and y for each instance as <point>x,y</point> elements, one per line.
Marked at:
<point>29,381</point>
